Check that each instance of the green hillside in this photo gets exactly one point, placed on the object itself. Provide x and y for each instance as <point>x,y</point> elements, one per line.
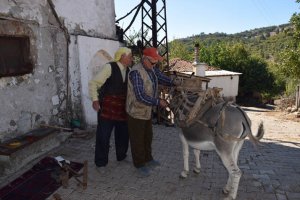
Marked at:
<point>259,54</point>
<point>264,42</point>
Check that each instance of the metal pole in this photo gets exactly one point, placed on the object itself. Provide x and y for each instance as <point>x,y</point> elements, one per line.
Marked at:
<point>154,23</point>
<point>166,31</point>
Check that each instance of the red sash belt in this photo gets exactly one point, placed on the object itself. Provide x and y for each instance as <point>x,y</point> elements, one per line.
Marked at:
<point>113,107</point>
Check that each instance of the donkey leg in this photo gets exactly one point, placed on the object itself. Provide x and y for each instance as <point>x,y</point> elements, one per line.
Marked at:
<point>227,187</point>
<point>185,151</point>
<point>237,173</point>
<point>235,154</point>
<point>237,149</point>
<point>197,160</point>
<point>234,175</point>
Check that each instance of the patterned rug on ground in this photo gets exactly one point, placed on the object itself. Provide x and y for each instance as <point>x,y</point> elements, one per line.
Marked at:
<point>38,183</point>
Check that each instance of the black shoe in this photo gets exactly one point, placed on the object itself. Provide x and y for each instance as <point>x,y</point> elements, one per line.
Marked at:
<point>100,165</point>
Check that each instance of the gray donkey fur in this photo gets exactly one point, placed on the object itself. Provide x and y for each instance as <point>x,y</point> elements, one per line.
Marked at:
<point>222,127</point>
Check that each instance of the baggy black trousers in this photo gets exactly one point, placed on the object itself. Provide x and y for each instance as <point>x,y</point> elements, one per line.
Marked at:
<point>104,130</point>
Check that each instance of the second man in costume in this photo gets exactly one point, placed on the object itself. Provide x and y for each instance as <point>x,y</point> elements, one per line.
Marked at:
<point>108,93</point>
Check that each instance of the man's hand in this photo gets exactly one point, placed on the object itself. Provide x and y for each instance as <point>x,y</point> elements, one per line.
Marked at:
<point>163,103</point>
<point>96,105</point>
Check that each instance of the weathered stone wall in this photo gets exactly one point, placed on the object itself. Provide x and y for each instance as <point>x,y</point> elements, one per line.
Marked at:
<point>54,92</point>
<point>30,99</point>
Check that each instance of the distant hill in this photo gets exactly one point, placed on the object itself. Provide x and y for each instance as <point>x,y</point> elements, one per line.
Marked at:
<point>264,42</point>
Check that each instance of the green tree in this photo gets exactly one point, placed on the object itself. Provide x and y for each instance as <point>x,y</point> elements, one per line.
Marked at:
<point>287,67</point>
<point>255,75</point>
<point>180,50</point>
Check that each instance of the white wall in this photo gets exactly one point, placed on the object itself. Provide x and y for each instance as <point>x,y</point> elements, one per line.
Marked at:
<point>88,48</point>
<point>94,17</point>
<point>229,84</point>
<point>31,10</point>
<point>91,25</point>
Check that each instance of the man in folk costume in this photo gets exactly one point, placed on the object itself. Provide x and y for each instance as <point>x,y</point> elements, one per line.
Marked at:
<point>108,90</point>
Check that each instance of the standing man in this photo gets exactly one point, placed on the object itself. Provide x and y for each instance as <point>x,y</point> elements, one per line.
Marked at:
<point>108,92</point>
<point>142,95</point>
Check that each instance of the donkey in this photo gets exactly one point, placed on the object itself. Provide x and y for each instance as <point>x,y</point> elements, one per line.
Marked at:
<point>222,127</point>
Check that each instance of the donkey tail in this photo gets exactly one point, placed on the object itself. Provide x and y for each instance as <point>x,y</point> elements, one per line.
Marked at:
<point>260,132</point>
<point>259,135</point>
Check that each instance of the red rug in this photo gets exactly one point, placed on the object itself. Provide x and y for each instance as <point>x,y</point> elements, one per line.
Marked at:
<point>38,183</point>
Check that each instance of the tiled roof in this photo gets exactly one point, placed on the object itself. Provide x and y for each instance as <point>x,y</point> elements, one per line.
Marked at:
<point>179,65</point>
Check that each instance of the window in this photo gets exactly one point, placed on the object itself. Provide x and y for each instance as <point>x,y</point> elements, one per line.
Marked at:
<point>15,56</point>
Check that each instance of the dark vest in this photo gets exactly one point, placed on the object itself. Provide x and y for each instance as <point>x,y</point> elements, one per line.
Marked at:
<point>114,85</point>
<point>112,95</point>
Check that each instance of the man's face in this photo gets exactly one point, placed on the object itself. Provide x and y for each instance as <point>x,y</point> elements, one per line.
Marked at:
<point>127,60</point>
<point>150,62</point>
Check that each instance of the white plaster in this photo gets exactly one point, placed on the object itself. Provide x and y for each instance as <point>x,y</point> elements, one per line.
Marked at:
<point>12,128</point>
<point>199,69</point>
<point>50,69</point>
<point>5,6</point>
<point>30,9</point>
<point>55,111</point>
<point>88,47</point>
<point>229,84</point>
<point>13,81</point>
<point>90,15</point>
<point>36,81</point>
<point>74,68</point>
<point>60,69</point>
<point>2,83</point>
<point>61,95</point>
<point>55,100</point>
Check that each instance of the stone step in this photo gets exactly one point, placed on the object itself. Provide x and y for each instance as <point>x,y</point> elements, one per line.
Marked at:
<point>18,152</point>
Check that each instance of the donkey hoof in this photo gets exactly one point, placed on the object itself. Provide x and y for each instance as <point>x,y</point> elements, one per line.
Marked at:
<point>184,174</point>
<point>196,170</point>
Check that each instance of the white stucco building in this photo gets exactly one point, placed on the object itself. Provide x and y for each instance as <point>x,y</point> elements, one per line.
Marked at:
<point>227,80</point>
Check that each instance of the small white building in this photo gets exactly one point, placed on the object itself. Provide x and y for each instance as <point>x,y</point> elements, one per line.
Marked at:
<point>227,80</point>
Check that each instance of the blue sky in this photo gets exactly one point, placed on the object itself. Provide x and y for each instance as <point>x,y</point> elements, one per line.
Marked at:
<point>190,17</point>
